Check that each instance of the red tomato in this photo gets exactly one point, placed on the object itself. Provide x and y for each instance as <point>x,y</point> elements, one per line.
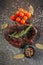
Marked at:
<point>17,19</point>
<point>21,14</point>
<point>22,21</point>
<point>25,17</point>
<point>26,13</point>
<point>17,13</point>
<point>21,10</point>
<point>29,15</point>
<point>12,17</point>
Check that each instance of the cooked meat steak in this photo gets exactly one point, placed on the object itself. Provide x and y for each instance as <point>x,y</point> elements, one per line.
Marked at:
<point>20,41</point>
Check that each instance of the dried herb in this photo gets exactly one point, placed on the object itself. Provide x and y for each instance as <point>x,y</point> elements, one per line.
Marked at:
<point>18,56</point>
<point>39,46</point>
<point>3,26</point>
<point>31,9</point>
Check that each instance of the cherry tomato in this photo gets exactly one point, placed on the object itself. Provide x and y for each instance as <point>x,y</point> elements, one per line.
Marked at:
<point>25,17</point>
<point>21,10</point>
<point>26,13</point>
<point>12,17</point>
<point>29,15</point>
<point>22,21</point>
<point>17,19</point>
<point>21,14</point>
<point>17,13</point>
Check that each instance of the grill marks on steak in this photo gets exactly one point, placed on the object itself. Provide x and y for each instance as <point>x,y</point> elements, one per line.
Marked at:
<point>20,41</point>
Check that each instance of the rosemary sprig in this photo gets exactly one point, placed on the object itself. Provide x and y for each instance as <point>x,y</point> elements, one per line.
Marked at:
<point>20,34</point>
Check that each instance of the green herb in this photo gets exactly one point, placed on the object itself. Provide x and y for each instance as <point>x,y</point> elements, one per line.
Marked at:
<point>20,34</point>
<point>12,35</point>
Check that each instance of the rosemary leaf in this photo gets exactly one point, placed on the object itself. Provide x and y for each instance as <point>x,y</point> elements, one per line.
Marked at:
<point>20,34</point>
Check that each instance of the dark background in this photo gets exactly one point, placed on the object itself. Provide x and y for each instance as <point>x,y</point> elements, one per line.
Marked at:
<point>8,7</point>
